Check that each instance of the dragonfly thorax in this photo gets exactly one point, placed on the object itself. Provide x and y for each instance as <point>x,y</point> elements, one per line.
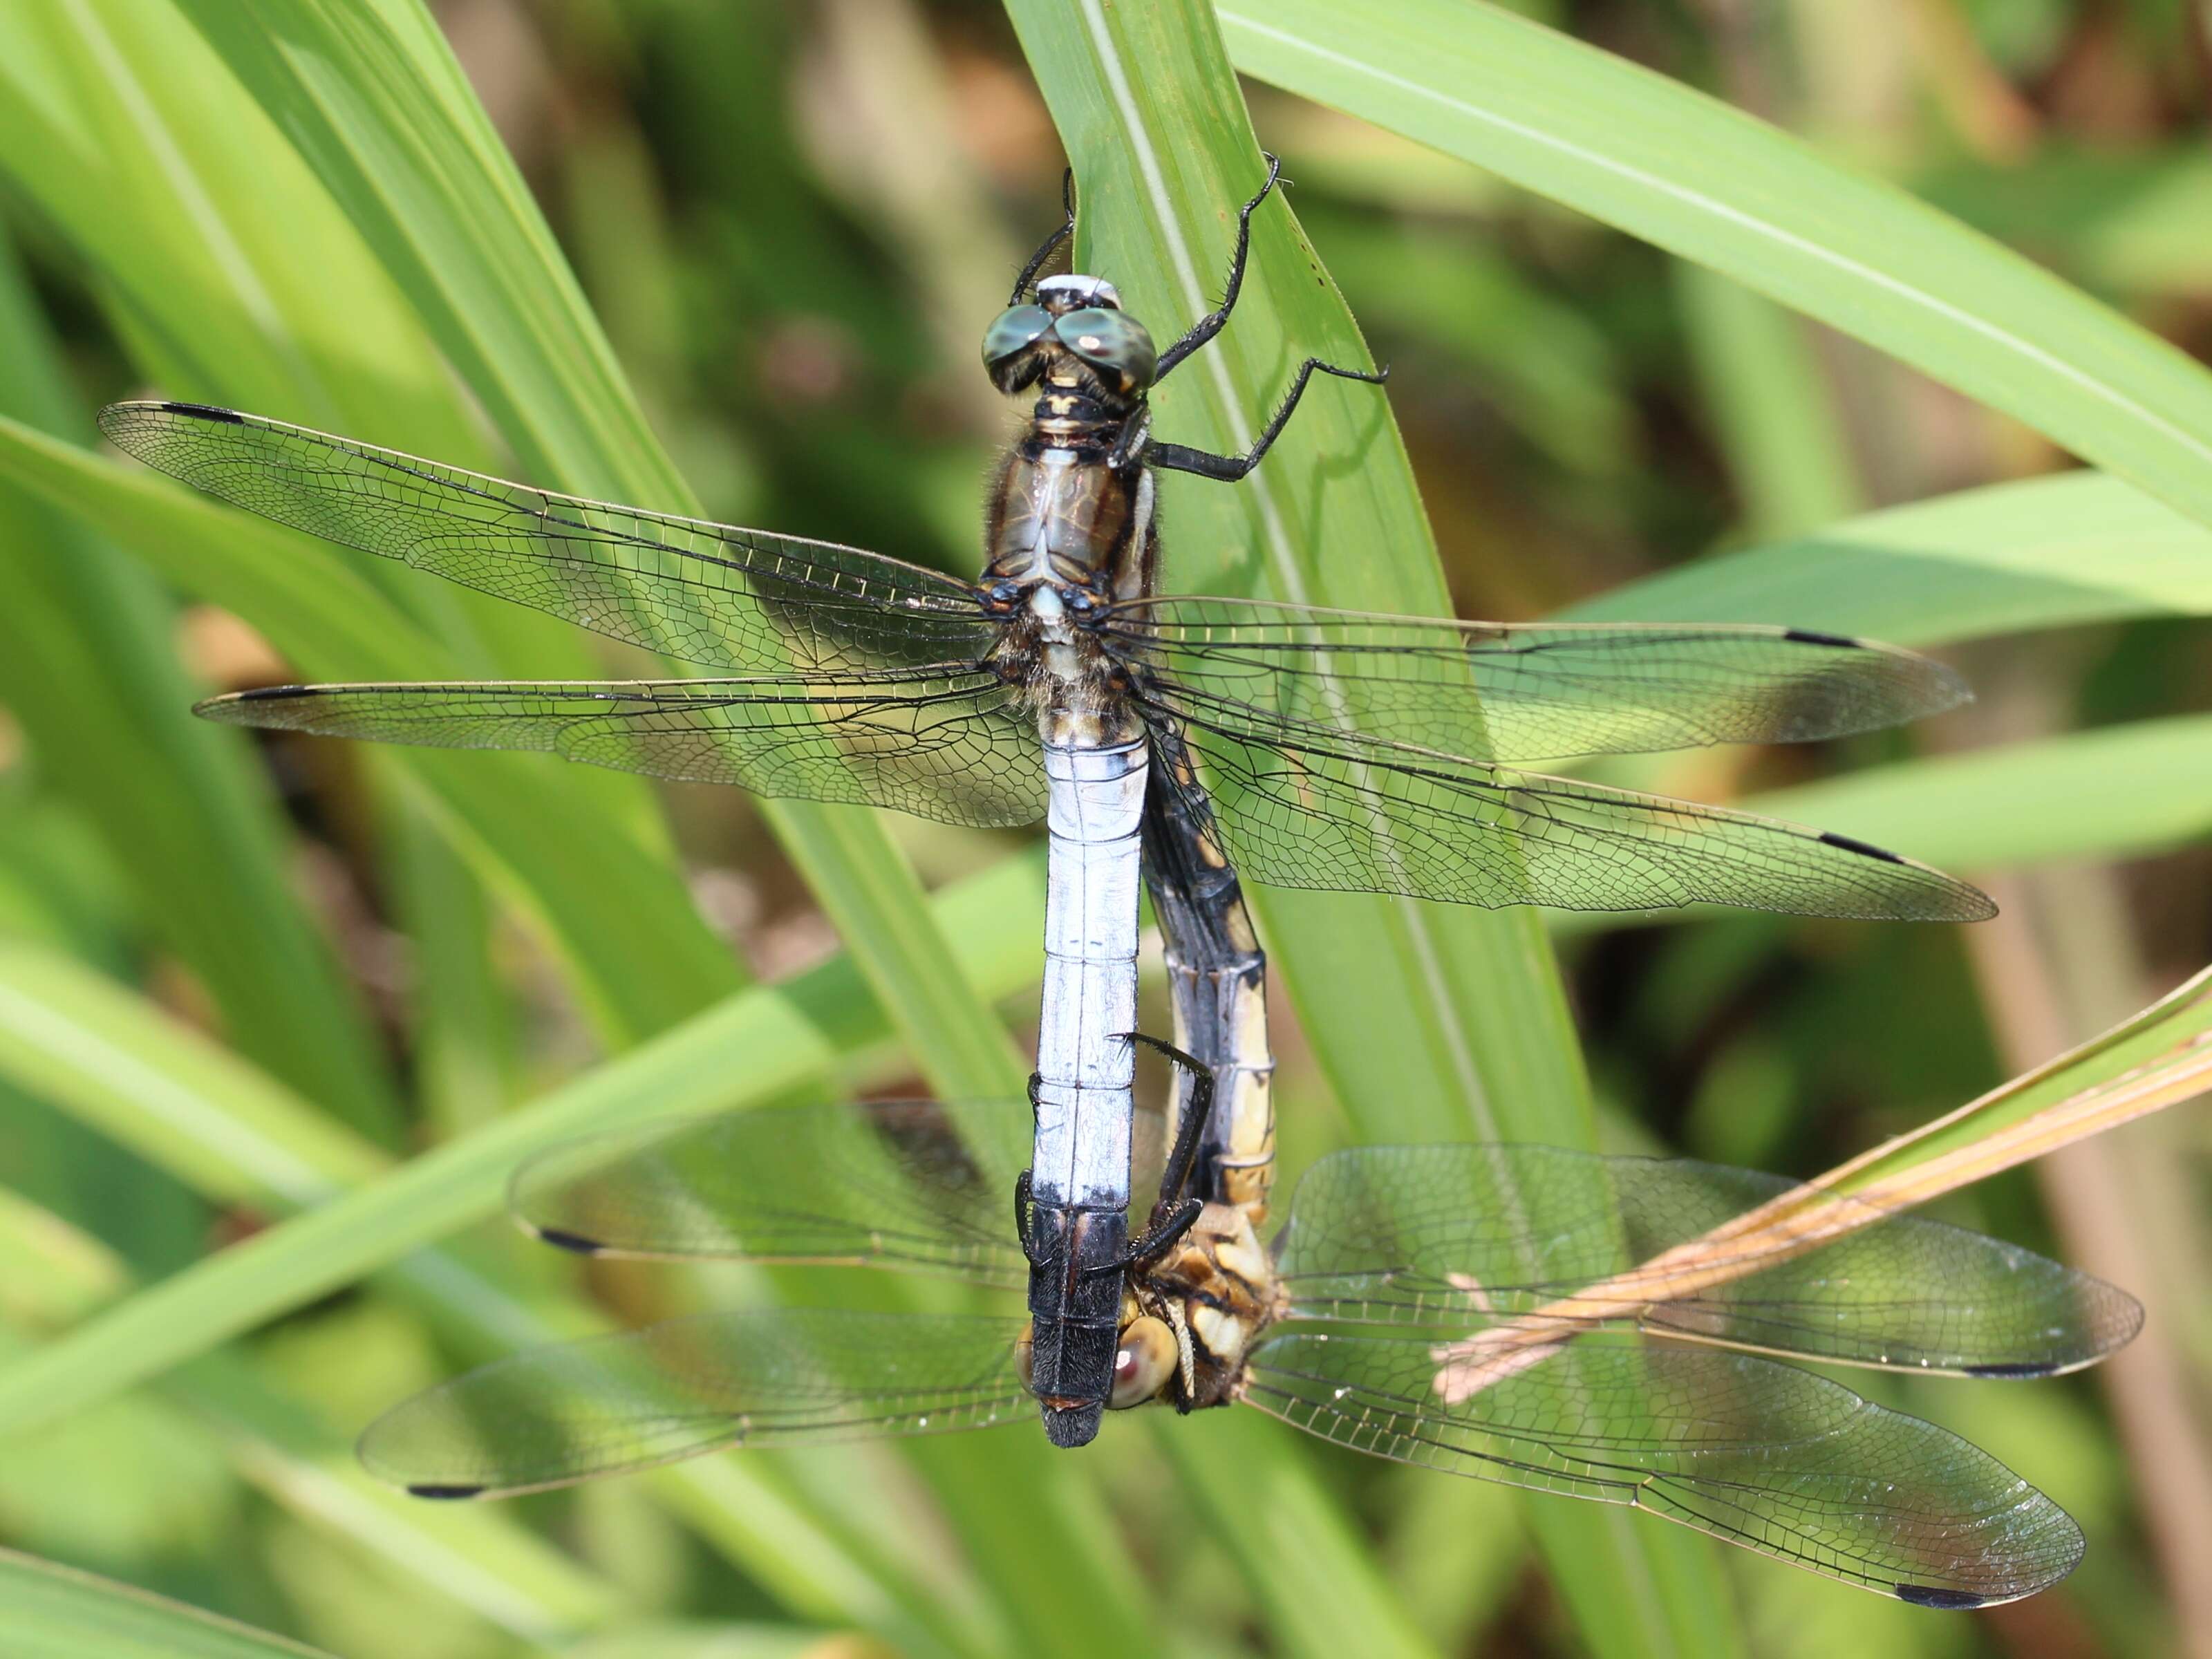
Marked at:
<point>1216,1290</point>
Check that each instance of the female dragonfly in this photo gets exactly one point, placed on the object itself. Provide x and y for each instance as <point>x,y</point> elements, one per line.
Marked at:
<point>1542,1338</point>
<point>1343,750</point>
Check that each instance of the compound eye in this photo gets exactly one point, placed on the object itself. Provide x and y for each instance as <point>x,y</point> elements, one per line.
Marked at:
<point>1143,1363</point>
<point>1113,343</point>
<point>1008,354</point>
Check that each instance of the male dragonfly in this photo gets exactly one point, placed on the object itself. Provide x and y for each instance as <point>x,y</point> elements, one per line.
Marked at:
<point>1344,750</point>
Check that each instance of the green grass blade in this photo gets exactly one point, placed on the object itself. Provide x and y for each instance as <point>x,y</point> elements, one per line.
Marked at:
<point>88,667</point>
<point>604,892</point>
<point>479,1555</point>
<point>1454,1024</point>
<point>401,143</point>
<point>2043,802</point>
<point>49,1612</point>
<point>1711,184</point>
<point>65,1033</point>
<point>181,1102</point>
<point>2045,553</point>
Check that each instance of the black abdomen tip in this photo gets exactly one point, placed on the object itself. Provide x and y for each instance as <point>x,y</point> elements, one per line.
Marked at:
<point>1932,1595</point>
<point>444,1492</point>
<point>568,1240</point>
<point>1865,849</point>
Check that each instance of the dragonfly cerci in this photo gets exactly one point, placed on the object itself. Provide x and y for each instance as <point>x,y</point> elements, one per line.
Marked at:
<point>1342,750</point>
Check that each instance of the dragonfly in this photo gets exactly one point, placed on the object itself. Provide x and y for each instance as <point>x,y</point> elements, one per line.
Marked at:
<point>1342,750</point>
<point>1498,1312</point>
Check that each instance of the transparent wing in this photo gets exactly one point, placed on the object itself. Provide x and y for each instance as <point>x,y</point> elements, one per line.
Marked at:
<point>957,749</point>
<point>887,1184</point>
<point>1546,690</point>
<point>1466,1238</point>
<point>608,1405</point>
<point>1297,807</point>
<point>708,593</point>
<point>1775,1459</point>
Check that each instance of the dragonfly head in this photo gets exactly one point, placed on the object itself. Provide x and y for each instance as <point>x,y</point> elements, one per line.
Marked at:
<point>1076,323</point>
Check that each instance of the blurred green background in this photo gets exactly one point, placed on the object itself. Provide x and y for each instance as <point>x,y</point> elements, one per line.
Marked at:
<point>236,979</point>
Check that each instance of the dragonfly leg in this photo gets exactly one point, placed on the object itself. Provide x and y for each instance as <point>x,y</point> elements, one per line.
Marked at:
<point>1044,252</point>
<point>1190,1130</point>
<point>1162,1232</point>
<point>1211,324</point>
<point>1024,1234</point>
<point>1228,469</point>
<point>1135,435</point>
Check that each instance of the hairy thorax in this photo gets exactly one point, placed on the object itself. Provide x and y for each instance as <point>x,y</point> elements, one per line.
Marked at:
<point>1216,1289</point>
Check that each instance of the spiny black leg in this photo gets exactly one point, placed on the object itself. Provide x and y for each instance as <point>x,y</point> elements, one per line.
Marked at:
<point>1066,229</point>
<point>1162,1232</point>
<point>1182,1157</point>
<point>1211,325</point>
<point>1230,468</point>
<point>1022,1214</point>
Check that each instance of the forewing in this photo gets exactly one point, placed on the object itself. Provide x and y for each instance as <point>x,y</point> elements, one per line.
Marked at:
<point>885,1184</point>
<point>608,1405</point>
<point>708,593</point>
<point>957,749</point>
<point>1775,1459</point>
<point>1297,807</point>
<point>1545,690</point>
<point>1468,1238</point>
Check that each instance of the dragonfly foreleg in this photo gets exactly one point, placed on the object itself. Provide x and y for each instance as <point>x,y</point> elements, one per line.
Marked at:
<point>1044,252</point>
<point>1211,324</point>
<point>1190,1129</point>
<point>1228,469</point>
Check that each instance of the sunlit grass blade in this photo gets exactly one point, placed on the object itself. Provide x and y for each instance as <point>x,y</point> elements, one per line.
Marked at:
<point>87,668</point>
<point>2161,1057</point>
<point>481,1557</point>
<point>600,888</point>
<point>2045,553</point>
<point>1454,1024</point>
<point>1712,183</point>
<point>2041,802</point>
<point>51,1611</point>
<point>180,1101</point>
<point>169,1093</point>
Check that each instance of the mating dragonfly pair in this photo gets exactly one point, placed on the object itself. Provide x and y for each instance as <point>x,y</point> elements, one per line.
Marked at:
<point>1185,740</point>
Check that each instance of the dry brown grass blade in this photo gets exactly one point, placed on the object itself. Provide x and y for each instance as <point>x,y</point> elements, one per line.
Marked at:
<point>2158,1058</point>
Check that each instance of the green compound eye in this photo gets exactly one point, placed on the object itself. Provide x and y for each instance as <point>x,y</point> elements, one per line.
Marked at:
<point>1013,332</point>
<point>1112,342</point>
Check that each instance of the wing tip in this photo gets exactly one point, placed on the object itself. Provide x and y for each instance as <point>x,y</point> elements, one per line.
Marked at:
<point>1961,902</point>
